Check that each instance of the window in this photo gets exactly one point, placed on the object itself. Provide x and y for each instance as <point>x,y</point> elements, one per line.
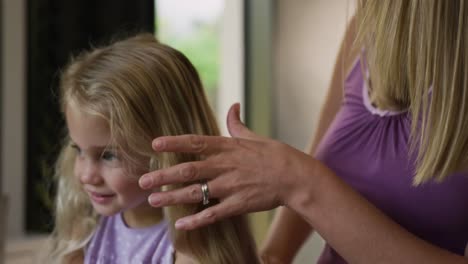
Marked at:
<point>193,27</point>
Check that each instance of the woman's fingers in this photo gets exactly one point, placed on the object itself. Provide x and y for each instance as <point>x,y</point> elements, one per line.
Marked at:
<point>186,195</point>
<point>191,144</point>
<point>180,173</point>
<point>227,208</point>
<point>208,145</point>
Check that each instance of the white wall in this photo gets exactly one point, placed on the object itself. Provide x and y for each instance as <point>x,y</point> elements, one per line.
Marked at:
<point>307,40</point>
<point>231,89</point>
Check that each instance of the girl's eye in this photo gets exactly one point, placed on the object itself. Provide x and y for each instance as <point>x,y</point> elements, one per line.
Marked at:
<point>76,148</point>
<point>108,155</point>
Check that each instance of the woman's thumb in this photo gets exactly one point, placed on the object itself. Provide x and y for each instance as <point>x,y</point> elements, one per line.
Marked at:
<point>235,126</point>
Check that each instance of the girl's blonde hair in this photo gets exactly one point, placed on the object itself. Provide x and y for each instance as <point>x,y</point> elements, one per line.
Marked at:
<point>144,89</point>
<point>417,56</point>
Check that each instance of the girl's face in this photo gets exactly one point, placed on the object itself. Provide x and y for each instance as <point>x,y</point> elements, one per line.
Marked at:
<point>99,168</point>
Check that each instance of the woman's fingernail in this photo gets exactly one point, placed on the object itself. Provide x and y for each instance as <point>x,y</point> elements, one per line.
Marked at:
<point>180,224</point>
<point>146,182</point>
<point>154,201</point>
<point>158,144</point>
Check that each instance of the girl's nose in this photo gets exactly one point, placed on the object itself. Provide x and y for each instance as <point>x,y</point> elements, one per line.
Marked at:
<point>88,172</point>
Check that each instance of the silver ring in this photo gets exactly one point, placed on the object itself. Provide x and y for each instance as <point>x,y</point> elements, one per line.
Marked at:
<point>205,193</point>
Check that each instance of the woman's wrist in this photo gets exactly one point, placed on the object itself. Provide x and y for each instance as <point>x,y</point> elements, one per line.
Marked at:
<point>306,187</point>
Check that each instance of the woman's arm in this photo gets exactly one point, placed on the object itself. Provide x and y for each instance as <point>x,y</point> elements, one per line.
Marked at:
<point>288,230</point>
<point>355,228</point>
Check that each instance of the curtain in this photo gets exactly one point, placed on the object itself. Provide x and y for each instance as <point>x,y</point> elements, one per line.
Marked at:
<point>56,30</point>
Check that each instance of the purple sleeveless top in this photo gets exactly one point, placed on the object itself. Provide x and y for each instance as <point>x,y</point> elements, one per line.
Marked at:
<point>114,242</point>
<point>368,149</point>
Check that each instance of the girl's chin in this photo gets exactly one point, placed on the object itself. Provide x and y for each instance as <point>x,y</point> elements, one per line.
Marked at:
<point>106,210</point>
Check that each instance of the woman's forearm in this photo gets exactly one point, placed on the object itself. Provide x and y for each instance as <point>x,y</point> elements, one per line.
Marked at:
<point>355,228</point>
<point>288,232</point>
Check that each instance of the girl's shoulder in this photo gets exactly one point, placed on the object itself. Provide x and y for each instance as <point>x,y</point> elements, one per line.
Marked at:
<point>113,241</point>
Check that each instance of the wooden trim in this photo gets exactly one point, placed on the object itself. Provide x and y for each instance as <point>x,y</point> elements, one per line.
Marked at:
<point>13,112</point>
<point>259,27</point>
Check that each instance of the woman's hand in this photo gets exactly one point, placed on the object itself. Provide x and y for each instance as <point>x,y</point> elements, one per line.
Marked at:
<point>246,173</point>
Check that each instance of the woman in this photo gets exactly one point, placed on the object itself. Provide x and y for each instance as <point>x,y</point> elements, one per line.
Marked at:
<point>387,183</point>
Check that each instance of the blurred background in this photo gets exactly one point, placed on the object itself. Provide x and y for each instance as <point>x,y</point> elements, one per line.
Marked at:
<point>273,56</point>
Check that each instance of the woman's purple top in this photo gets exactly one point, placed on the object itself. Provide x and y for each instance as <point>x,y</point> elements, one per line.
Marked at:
<point>114,242</point>
<point>368,149</point>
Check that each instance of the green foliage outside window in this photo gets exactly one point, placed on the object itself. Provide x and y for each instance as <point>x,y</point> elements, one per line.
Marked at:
<point>201,47</point>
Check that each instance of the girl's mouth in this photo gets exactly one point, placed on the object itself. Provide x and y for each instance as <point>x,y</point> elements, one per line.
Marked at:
<point>101,198</point>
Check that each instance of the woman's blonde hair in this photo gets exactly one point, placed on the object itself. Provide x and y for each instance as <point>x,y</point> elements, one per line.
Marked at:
<point>417,56</point>
<point>144,89</point>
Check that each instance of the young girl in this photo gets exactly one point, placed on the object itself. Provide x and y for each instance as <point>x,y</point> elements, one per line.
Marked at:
<point>115,100</point>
